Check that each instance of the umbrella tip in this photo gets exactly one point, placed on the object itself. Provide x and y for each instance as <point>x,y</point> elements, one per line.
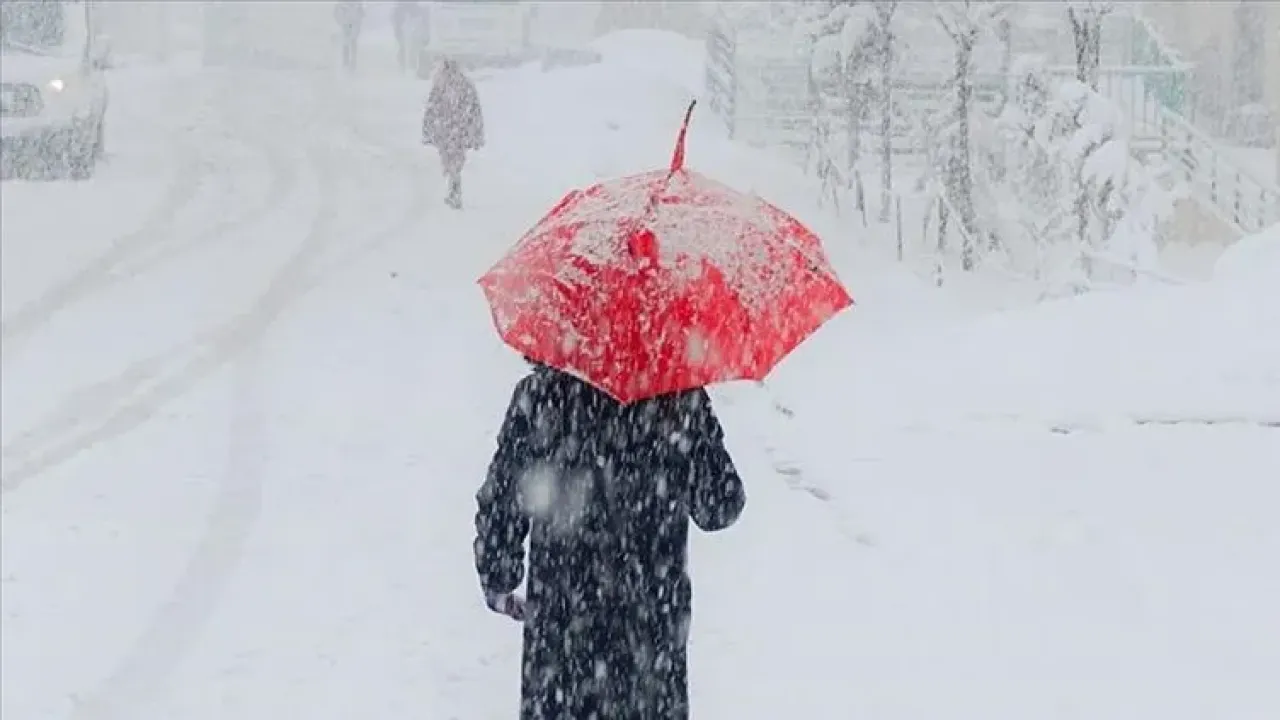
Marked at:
<point>677,159</point>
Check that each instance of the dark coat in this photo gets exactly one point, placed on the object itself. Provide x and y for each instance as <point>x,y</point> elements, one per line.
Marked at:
<point>604,493</point>
<point>453,121</point>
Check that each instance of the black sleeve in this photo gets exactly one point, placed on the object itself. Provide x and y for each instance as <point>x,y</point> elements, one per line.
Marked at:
<point>501,523</point>
<point>717,496</point>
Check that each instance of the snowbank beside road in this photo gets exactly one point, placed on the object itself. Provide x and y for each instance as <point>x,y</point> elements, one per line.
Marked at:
<point>1200,353</point>
<point>1119,566</point>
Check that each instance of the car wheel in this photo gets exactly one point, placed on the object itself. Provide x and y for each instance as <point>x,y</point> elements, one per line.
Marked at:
<point>80,155</point>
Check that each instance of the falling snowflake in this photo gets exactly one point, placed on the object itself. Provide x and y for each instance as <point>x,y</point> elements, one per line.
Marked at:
<point>537,489</point>
<point>696,347</point>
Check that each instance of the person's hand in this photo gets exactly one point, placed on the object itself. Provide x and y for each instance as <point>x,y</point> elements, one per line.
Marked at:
<point>508,604</point>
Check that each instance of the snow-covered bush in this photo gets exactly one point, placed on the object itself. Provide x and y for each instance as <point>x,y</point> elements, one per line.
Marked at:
<point>1073,197</point>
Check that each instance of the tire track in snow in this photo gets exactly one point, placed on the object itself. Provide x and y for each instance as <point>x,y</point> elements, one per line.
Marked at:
<point>174,629</point>
<point>181,617</point>
<point>284,180</point>
<point>221,345</point>
<point>100,397</point>
<point>128,258</point>
<point>112,397</point>
<point>182,192</point>
<point>195,597</point>
<point>134,403</point>
<point>103,396</point>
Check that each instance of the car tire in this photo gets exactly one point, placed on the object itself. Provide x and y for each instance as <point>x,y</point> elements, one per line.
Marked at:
<point>81,158</point>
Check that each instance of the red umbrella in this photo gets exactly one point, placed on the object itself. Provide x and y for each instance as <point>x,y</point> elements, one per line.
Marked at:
<point>661,282</point>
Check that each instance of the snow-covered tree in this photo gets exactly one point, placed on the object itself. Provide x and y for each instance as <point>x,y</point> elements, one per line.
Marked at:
<point>1068,152</point>
<point>966,22</point>
<point>884,42</point>
<point>1086,17</point>
<point>1126,198</point>
<point>843,49</point>
<point>854,52</point>
<point>1004,32</point>
<point>1033,194</point>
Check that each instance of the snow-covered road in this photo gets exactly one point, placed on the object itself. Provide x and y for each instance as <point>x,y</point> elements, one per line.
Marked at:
<point>123,347</point>
<point>250,389</point>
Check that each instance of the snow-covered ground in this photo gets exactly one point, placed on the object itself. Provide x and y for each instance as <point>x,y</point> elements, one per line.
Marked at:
<point>250,389</point>
<point>1066,509</point>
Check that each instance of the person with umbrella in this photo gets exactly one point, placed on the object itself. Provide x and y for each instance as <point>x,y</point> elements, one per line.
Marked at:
<point>627,299</point>
<point>454,124</point>
<point>604,492</point>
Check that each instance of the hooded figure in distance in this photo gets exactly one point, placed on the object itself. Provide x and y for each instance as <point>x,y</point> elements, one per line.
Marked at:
<point>454,124</point>
<point>605,493</point>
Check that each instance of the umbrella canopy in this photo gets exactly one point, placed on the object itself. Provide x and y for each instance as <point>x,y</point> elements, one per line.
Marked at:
<point>661,282</point>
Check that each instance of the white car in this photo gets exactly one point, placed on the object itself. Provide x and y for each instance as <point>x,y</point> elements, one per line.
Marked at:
<point>53,91</point>
<point>495,32</point>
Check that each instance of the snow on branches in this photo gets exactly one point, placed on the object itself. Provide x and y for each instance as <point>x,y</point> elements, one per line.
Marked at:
<point>842,35</point>
<point>1086,18</point>
<point>852,69</point>
<point>1077,197</point>
<point>965,22</point>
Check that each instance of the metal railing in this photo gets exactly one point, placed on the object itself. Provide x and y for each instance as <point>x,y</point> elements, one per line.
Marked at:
<point>1247,202</point>
<point>1151,92</point>
<point>1244,200</point>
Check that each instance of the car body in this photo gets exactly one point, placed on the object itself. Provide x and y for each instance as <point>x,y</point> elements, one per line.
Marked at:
<point>53,90</point>
<point>505,32</point>
<point>494,33</point>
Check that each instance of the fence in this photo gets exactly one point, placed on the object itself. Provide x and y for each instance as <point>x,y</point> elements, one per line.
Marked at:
<point>1247,202</point>
<point>758,83</point>
<point>1169,87</point>
<point>935,241</point>
<point>1151,91</point>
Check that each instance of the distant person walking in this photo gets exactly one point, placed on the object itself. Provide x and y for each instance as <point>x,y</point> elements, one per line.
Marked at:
<point>453,124</point>
<point>406,21</point>
<point>350,17</point>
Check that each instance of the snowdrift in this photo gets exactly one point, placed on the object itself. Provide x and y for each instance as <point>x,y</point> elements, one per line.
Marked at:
<point>1200,353</point>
